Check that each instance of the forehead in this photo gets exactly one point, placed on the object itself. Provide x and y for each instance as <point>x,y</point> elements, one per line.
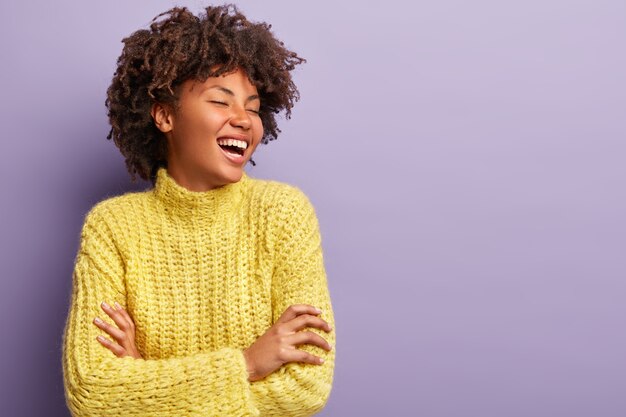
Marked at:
<point>236,81</point>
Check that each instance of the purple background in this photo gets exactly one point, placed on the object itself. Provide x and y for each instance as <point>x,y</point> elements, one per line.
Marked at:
<point>466,160</point>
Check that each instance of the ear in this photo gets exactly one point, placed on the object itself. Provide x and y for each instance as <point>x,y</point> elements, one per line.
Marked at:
<point>162,117</point>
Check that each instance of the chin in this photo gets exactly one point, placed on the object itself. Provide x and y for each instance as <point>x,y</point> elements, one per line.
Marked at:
<point>232,174</point>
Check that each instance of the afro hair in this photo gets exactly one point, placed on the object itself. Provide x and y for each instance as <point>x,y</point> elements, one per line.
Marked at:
<point>155,62</point>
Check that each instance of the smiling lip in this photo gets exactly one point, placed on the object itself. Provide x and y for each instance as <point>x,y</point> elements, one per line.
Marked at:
<point>237,159</point>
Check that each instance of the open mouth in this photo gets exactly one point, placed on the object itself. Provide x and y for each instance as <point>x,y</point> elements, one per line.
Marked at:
<point>232,149</point>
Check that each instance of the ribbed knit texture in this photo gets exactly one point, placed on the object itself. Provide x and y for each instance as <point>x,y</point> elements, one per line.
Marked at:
<point>203,274</point>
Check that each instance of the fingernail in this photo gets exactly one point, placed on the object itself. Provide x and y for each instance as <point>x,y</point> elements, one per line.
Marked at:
<point>105,305</point>
<point>318,310</point>
<point>321,360</point>
<point>100,338</point>
<point>119,307</point>
<point>97,320</point>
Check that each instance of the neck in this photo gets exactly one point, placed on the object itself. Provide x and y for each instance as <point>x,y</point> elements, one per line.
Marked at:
<point>180,201</point>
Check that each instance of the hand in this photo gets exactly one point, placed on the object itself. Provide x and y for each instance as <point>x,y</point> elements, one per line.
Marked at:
<point>277,345</point>
<point>125,335</point>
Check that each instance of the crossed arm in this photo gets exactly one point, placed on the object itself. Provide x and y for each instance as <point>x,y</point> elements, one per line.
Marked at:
<point>99,383</point>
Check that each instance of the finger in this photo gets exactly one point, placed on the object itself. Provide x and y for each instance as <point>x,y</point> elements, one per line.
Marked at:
<point>113,347</point>
<point>308,338</point>
<point>307,320</point>
<point>295,310</point>
<point>113,331</point>
<point>126,315</point>
<point>116,315</point>
<point>298,355</point>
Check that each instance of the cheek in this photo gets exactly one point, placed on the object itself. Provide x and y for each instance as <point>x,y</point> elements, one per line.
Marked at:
<point>201,124</point>
<point>258,129</point>
<point>214,120</point>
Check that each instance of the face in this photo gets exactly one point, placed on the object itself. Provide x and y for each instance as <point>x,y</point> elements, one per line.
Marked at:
<point>219,109</point>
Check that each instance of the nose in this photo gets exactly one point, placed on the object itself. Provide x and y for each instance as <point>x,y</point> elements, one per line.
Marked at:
<point>240,118</point>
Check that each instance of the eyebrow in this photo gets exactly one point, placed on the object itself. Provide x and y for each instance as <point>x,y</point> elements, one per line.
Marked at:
<point>229,92</point>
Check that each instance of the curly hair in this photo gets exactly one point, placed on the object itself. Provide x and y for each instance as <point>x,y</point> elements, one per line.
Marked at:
<point>155,62</point>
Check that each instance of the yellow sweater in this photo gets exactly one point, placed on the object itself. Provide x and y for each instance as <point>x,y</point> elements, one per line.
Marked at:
<point>203,274</point>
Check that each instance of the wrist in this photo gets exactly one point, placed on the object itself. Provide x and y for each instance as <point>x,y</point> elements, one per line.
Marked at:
<point>249,368</point>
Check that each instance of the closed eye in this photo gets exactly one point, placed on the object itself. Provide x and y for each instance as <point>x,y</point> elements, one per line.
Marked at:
<point>226,104</point>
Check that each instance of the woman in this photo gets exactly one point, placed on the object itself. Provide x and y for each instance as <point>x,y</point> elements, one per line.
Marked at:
<point>211,280</point>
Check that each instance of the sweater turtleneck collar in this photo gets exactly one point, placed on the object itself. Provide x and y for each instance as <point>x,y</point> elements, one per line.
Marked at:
<point>178,199</point>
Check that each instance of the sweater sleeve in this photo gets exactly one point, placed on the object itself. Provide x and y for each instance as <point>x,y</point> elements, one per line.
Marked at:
<point>297,388</point>
<point>98,383</point>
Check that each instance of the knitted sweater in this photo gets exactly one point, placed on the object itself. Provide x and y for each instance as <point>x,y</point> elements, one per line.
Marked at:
<point>203,275</point>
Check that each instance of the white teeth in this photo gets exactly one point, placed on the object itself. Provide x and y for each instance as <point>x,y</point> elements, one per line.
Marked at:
<point>233,142</point>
